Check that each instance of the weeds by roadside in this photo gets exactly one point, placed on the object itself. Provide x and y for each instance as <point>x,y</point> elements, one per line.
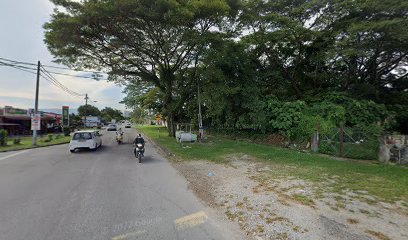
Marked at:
<point>385,182</point>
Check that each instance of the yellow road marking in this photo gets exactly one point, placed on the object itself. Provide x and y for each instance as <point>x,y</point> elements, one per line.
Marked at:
<point>190,220</point>
<point>128,235</point>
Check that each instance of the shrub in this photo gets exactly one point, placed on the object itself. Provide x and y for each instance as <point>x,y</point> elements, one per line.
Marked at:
<point>66,131</point>
<point>58,136</point>
<point>17,140</point>
<point>308,125</point>
<point>50,137</point>
<point>284,116</point>
<point>3,137</point>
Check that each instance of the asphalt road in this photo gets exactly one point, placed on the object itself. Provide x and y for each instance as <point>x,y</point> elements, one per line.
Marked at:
<point>49,193</point>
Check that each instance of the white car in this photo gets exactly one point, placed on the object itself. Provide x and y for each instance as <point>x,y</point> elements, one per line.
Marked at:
<point>85,139</point>
<point>128,125</point>
<point>111,127</point>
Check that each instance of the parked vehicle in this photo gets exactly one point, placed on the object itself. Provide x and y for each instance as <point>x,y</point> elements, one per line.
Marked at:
<point>111,127</point>
<point>85,140</point>
<point>139,151</point>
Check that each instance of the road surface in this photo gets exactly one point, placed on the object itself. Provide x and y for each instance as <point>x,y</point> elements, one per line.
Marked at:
<point>49,193</point>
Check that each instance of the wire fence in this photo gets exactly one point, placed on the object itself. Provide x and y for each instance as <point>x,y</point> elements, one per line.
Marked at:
<point>349,143</point>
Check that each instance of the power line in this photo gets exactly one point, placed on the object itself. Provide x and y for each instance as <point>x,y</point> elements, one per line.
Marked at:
<point>72,75</point>
<point>49,66</point>
<point>59,84</point>
<point>22,68</point>
<point>47,76</point>
<point>18,62</point>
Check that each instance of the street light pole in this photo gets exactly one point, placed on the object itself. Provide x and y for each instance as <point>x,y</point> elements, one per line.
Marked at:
<point>36,101</point>
<point>86,107</point>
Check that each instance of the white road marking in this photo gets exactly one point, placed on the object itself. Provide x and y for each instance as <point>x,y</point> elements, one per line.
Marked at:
<point>190,220</point>
<point>127,235</point>
<point>14,154</point>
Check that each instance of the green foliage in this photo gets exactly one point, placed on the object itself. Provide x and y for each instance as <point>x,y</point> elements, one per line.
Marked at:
<point>151,42</point>
<point>108,113</point>
<point>50,137</point>
<point>309,124</point>
<point>17,140</point>
<point>327,61</point>
<point>66,131</point>
<point>284,116</point>
<point>88,110</point>
<point>75,120</point>
<point>3,137</point>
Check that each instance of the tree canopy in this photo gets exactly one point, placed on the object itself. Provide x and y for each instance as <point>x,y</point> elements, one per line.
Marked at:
<point>269,66</point>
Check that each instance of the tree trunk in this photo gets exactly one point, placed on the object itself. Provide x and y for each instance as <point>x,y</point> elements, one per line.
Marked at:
<point>170,124</point>
<point>168,78</point>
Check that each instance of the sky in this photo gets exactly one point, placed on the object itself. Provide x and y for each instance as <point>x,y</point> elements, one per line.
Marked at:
<point>21,39</point>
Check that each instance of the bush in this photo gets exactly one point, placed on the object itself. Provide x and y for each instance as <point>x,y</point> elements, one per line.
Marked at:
<point>308,125</point>
<point>58,136</point>
<point>284,116</point>
<point>50,137</point>
<point>17,140</point>
<point>3,137</point>
<point>66,131</point>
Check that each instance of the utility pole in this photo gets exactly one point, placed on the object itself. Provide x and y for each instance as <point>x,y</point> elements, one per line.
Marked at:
<point>200,119</point>
<point>36,101</point>
<point>86,107</point>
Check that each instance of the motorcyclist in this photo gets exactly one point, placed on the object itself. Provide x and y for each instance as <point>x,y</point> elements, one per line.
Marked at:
<point>139,139</point>
<point>119,132</point>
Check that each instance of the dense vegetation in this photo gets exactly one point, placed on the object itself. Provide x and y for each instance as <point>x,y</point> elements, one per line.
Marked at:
<point>270,66</point>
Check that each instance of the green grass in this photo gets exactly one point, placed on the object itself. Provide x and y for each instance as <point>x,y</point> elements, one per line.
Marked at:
<point>26,142</point>
<point>386,182</point>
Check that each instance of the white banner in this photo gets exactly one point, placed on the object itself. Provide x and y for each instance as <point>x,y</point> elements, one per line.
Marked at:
<point>36,122</point>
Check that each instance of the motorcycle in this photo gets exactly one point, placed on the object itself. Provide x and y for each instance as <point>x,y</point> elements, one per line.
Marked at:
<point>119,138</point>
<point>139,151</point>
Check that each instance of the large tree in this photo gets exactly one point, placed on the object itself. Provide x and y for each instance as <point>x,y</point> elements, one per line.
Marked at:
<point>343,45</point>
<point>88,110</point>
<point>135,40</point>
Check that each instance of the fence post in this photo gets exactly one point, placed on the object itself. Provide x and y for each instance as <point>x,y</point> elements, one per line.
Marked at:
<point>315,139</point>
<point>341,145</point>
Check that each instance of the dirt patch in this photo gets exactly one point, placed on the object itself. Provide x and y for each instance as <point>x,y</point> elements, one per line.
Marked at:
<point>286,207</point>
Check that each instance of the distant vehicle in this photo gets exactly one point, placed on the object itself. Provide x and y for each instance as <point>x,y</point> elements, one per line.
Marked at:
<point>111,127</point>
<point>128,125</point>
<point>85,140</point>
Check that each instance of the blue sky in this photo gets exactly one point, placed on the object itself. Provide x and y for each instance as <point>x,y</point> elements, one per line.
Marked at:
<point>21,39</point>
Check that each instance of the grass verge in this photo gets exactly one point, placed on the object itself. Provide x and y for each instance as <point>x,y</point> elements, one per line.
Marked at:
<point>26,143</point>
<point>387,183</point>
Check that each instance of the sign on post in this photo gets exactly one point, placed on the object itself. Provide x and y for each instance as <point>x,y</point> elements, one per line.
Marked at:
<point>65,116</point>
<point>36,122</point>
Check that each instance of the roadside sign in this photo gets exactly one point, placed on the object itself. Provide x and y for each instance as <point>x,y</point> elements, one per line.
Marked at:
<point>36,122</point>
<point>65,116</point>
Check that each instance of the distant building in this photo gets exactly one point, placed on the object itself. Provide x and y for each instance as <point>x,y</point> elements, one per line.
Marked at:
<point>126,114</point>
<point>17,121</point>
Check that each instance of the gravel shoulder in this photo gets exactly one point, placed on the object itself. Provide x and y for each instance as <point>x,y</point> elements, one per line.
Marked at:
<point>266,207</point>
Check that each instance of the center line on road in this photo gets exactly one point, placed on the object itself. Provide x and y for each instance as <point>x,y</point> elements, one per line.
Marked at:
<point>190,220</point>
<point>14,154</point>
<point>128,235</point>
